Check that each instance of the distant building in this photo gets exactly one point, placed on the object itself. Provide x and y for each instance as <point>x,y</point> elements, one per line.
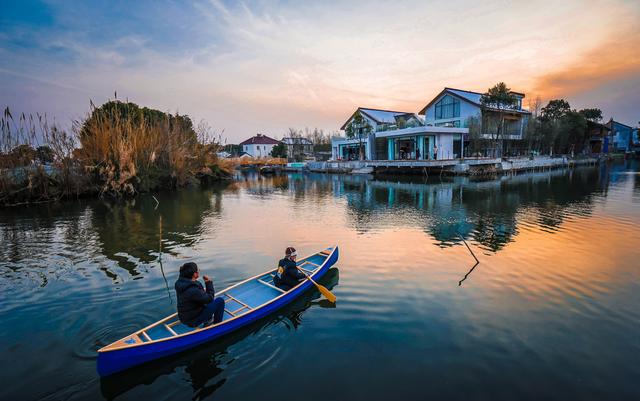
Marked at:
<point>259,146</point>
<point>621,136</point>
<point>298,147</point>
<point>598,135</point>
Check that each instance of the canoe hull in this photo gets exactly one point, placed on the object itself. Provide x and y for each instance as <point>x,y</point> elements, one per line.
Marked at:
<point>112,361</point>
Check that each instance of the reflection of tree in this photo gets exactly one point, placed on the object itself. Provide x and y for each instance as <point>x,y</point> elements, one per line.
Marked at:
<point>314,187</point>
<point>486,211</point>
<point>204,364</point>
<point>129,234</point>
<point>40,234</point>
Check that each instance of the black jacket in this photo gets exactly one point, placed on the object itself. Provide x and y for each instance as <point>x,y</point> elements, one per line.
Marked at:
<point>192,298</point>
<point>289,274</point>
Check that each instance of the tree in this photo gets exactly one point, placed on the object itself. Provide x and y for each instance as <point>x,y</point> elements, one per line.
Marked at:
<point>572,130</point>
<point>555,110</point>
<point>359,128</point>
<point>550,117</point>
<point>593,115</point>
<point>475,134</point>
<point>279,150</point>
<point>533,129</point>
<point>494,104</point>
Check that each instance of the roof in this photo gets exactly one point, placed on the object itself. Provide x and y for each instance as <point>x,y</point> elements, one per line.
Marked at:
<point>260,139</point>
<point>612,121</point>
<point>296,141</point>
<point>469,96</point>
<point>380,116</point>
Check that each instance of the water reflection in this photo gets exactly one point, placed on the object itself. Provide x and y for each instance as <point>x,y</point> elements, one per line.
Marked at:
<point>205,365</point>
<point>486,212</point>
<point>135,228</point>
<point>126,232</point>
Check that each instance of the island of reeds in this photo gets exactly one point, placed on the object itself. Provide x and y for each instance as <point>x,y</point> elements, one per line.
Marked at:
<point>119,150</point>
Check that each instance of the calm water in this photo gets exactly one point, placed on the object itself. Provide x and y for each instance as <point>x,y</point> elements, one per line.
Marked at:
<point>552,311</point>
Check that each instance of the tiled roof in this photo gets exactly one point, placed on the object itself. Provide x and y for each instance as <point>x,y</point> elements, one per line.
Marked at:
<point>260,139</point>
<point>381,116</point>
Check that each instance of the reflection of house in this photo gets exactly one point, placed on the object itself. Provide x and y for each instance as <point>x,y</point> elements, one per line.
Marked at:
<point>621,136</point>
<point>298,147</point>
<point>259,146</point>
<point>396,135</point>
<point>454,107</point>
<point>598,135</point>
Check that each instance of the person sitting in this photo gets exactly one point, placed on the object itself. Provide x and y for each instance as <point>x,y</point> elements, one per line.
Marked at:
<point>196,305</point>
<point>288,276</point>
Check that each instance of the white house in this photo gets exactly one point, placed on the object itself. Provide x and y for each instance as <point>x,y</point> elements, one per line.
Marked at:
<point>259,146</point>
<point>454,108</point>
<point>397,135</point>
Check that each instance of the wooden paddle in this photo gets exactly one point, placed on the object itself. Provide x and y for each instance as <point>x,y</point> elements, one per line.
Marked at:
<point>323,290</point>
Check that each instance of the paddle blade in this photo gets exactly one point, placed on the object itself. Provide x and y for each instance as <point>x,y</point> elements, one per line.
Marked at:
<point>327,294</point>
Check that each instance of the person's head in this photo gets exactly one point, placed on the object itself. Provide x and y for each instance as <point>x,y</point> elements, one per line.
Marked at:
<point>291,253</point>
<point>189,270</point>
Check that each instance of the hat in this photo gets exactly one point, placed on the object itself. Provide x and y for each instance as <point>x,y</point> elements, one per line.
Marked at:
<point>290,251</point>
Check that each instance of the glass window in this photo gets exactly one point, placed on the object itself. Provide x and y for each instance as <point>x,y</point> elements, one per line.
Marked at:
<point>455,124</point>
<point>447,107</point>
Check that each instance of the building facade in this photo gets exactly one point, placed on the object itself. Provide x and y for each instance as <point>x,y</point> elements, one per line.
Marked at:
<point>259,146</point>
<point>621,136</point>
<point>598,134</point>
<point>457,108</point>
<point>397,135</point>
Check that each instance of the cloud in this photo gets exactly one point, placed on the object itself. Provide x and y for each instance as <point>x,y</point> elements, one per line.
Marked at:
<point>615,59</point>
<point>266,65</point>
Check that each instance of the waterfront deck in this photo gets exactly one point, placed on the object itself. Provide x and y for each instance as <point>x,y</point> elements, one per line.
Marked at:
<point>448,166</point>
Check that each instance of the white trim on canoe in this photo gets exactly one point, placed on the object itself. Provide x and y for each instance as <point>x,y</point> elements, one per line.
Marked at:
<point>122,344</point>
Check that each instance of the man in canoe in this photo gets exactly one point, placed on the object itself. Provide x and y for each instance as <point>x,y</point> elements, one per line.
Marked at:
<point>197,305</point>
<point>288,276</point>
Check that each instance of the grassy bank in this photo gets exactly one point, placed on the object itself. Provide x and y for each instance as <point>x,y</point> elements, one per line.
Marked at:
<point>118,150</point>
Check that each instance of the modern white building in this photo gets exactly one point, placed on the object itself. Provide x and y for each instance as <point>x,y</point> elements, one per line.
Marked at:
<point>397,135</point>
<point>441,133</point>
<point>259,146</point>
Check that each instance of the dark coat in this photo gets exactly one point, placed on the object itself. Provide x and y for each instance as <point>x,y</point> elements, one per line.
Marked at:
<point>192,298</point>
<point>288,274</point>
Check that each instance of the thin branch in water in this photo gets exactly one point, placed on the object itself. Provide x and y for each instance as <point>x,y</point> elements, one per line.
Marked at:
<point>160,261</point>
<point>467,275</point>
<point>472,254</point>
<point>467,245</point>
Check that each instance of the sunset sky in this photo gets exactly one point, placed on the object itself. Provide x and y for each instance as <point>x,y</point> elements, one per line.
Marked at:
<point>248,67</point>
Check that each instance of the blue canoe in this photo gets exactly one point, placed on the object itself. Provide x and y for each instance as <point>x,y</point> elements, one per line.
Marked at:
<point>245,302</point>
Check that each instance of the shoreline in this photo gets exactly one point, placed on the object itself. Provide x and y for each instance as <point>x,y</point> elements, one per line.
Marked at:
<point>462,167</point>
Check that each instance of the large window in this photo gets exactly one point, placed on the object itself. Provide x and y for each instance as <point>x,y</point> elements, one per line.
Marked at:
<point>447,107</point>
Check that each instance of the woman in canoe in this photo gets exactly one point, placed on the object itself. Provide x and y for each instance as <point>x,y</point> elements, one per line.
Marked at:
<point>196,305</point>
<point>288,276</point>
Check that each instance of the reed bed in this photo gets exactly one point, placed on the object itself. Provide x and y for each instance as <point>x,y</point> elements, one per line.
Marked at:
<point>118,150</point>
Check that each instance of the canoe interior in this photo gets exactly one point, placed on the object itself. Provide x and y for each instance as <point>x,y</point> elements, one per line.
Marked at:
<point>239,300</point>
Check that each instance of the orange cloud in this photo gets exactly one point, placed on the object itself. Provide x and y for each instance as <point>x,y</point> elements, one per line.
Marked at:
<point>614,59</point>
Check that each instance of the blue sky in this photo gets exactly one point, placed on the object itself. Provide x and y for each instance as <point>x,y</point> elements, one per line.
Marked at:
<point>248,67</point>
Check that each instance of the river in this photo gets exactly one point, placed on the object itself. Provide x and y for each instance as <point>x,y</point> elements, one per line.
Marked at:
<point>552,311</point>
